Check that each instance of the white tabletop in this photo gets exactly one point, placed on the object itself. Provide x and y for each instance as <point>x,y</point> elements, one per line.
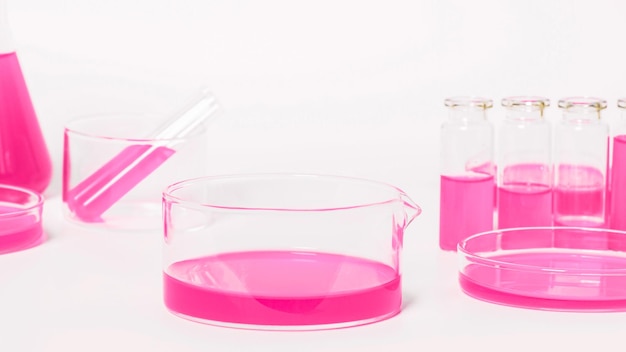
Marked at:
<point>336,87</point>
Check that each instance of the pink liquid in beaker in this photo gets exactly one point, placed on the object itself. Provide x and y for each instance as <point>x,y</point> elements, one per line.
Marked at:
<point>618,184</point>
<point>282,288</point>
<point>466,208</point>
<point>18,231</point>
<point>24,158</point>
<point>579,198</point>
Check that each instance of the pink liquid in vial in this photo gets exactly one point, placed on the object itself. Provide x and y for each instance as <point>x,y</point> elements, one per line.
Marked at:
<point>24,158</point>
<point>524,205</point>
<point>282,288</point>
<point>19,231</point>
<point>466,208</point>
<point>525,197</point>
<point>618,184</point>
<point>579,197</point>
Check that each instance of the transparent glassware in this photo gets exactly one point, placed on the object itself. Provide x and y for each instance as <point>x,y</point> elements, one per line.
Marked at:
<point>113,175</point>
<point>467,171</point>
<point>284,251</point>
<point>24,157</point>
<point>617,218</point>
<point>580,163</point>
<point>524,164</point>
<point>20,219</point>
<point>128,157</point>
<point>547,268</point>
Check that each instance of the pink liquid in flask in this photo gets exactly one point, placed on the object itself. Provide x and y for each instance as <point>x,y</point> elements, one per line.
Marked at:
<point>618,184</point>
<point>466,208</point>
<point>282,288</point>
<point>24,158</point>
<point>524,203</point>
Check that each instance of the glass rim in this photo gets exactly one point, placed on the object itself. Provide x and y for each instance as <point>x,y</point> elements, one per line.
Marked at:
<point>461,249</point>
<point>168,196</point>
<point>35,203</point>
<point>526,100</point>
<point>582,102</point>
<point>72,127</point>
<point>621,103</point>
<point>468,101</point>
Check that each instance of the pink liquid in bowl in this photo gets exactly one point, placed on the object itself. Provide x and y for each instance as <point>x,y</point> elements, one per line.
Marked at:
<point>282,289</point>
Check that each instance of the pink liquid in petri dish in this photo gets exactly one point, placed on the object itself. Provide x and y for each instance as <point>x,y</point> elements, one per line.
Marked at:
<point>578,282</point>
<point>618,184</point>
<point>466,208</point>
<point>579,197</point>
<point>24,158</point>
<point>20,231</point>
<point>89,199</point>
<point>282,288</point>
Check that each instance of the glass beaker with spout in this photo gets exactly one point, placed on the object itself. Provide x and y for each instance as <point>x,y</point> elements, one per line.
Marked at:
<point>284,252</point>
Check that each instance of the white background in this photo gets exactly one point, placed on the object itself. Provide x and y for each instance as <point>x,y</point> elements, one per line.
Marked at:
<point>344,87</point>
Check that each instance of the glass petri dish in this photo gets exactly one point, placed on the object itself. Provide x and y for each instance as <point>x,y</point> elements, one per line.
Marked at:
<point>20,219</point>
<point>546,268</point>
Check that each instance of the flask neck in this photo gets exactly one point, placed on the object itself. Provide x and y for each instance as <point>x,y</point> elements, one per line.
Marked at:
<point>6,39</point>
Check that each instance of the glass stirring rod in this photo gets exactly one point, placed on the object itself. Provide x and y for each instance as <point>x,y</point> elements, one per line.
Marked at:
<point>89,199</point>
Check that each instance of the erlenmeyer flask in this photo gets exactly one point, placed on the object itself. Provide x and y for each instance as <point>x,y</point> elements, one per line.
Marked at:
<point>24,157</point>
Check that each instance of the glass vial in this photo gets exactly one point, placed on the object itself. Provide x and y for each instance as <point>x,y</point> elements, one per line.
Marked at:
<point>24,157</point>
<point>524,164</point>
<point>617,216</point>
<point>467,171</point>
<point>581,156</point>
